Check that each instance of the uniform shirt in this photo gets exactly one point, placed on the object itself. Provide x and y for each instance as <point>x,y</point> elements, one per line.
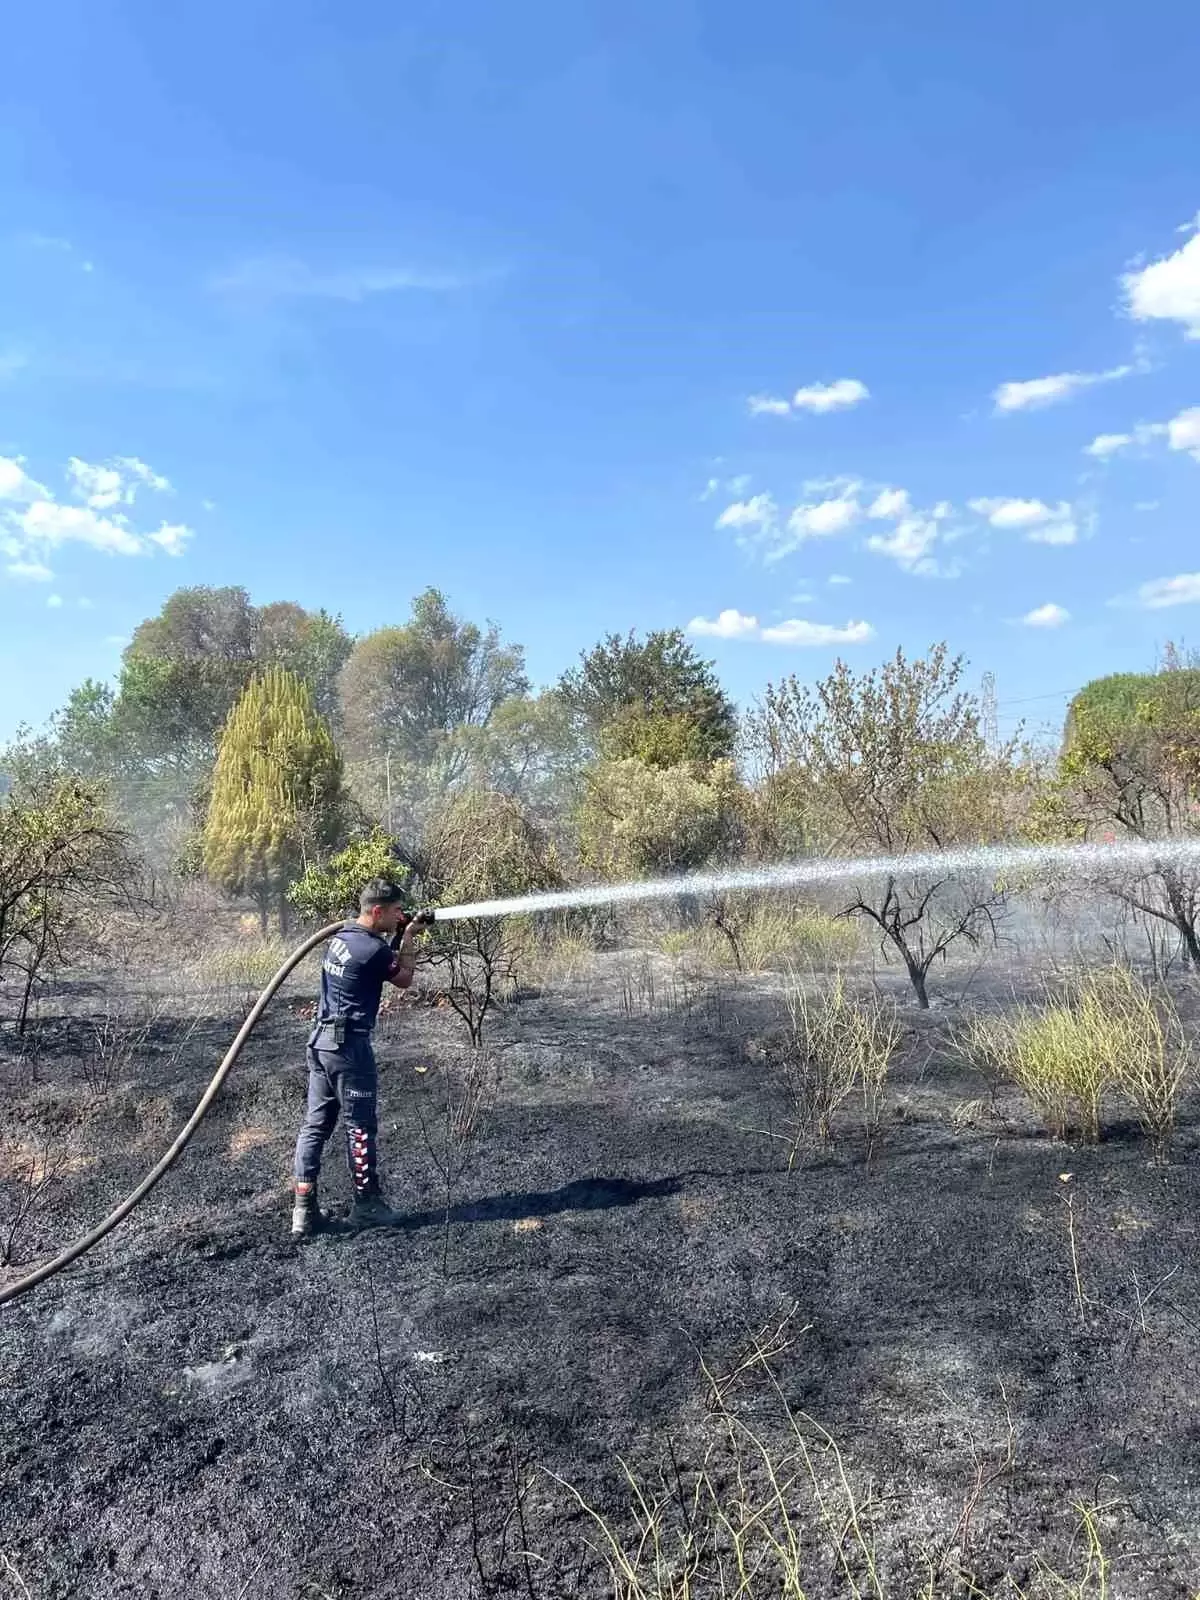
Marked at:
<point>357,965</point>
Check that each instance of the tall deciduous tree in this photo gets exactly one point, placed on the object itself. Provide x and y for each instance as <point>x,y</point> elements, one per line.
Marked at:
<point>652,699</point>
<point>1130,768</point>
<point>406,692</point>
<point>312,644</point>
<point>276,792</point>
<point>185,668</point>
<point>888,763</point>
<point>530,751</point>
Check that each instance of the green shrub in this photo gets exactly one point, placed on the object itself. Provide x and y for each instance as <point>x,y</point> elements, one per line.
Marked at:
<point>327,892</point>
<point>1108,1033</point>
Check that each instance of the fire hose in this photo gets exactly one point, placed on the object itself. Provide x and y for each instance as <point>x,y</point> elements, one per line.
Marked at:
<point>81,1246</point>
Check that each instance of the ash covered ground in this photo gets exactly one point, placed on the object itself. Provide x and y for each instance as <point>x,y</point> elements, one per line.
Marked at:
<point>203,1408</point>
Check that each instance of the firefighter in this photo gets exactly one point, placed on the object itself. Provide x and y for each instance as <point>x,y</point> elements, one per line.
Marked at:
<point>377,947</point>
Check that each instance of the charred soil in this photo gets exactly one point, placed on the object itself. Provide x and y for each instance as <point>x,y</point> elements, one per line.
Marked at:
<point>203,1408</point>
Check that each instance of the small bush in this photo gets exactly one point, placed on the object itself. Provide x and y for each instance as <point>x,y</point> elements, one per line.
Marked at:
<point>330,891</point>
<point>775,939</point>
<point>831,1048</point>
<point>1110,1032</point>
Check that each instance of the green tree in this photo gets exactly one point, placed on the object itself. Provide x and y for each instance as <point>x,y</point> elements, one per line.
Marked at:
<point>889,763</point>
<point>183,671</point>
<point>276,797</point>
<point>407,692</point>
<point>312,644</point>
<point>530,751</point>
<point>639,821</point>
<point>185,668</point>
<point>62,859</point>
<point>86,732</point>
<point>656,699</point>
<point>1130,769</point>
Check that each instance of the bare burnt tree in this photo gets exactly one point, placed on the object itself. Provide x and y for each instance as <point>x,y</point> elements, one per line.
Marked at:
<point>887,764</point>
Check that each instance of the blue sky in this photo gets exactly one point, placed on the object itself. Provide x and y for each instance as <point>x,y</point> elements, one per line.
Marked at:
<point>791,324</point>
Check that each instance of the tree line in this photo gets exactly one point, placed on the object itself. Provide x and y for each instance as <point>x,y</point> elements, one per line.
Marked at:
<point>268,750</point>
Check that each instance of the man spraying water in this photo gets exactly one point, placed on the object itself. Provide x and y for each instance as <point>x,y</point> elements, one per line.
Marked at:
<point>342,1075</point>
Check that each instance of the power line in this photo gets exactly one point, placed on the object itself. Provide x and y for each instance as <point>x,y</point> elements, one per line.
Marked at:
<point>1055,694</point>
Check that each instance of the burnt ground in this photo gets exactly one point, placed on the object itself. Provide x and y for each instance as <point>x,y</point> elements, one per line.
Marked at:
<point>202,1408</point>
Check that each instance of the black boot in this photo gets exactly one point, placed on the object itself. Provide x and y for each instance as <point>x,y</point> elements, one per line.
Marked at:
<point>371,1210</point>
<point>307,1216</point>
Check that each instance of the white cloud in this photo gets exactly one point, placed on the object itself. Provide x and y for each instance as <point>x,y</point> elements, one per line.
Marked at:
<point>758,512</point>
<point>837,396</point>
<point>740,484</point>
<point>99,487</point>
<point>889,504</point>
<point>48,523</point>
<point>144,474</point>
<point>816,634</point>
<point>1182,590</point>
<point>909,544</point>
<point>1107,444</point>
<point>114,483</point>
<point>117,640</point>
<point>1054,533</point>
<point>1043,524</point>
<point>172,537</point>
<point>1003,513</point>
<point>827,518</point>
<point>35,525</point>
<point>209,505</point>
<point>1168,290</point>
<point>839,577</point>
<point>764,405</point>
<point>54,601</point>
<point>16,484</point>
<point>1047,616</point>
<point>1033,393</point>
<point>283,277</point>
<point>1183,432</point>
<point>730,624</point>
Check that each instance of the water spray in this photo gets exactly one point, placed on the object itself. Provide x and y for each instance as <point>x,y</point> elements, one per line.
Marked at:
<point>997,861</point>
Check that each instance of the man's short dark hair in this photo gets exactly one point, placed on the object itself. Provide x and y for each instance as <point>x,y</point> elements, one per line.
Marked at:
<point>379,892</point>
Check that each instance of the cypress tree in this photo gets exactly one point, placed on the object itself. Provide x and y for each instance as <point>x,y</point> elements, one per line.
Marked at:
<point>276,793</point>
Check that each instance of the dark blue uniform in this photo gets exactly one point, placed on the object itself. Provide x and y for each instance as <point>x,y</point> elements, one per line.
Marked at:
<point>342,1075</point>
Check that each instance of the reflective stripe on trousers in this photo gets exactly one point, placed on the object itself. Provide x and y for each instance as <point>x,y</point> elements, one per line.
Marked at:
<point>341,1081</point>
